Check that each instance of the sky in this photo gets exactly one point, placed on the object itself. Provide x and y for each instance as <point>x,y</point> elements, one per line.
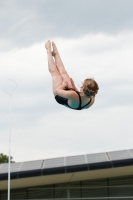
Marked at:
<point>95,40</point>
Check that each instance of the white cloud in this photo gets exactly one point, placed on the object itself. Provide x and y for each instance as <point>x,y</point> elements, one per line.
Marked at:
<point>41,127</point>
<point>26,22</point>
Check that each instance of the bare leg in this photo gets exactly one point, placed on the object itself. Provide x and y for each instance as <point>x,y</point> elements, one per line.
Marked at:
<point>56,77</point>
<point>60,65</point>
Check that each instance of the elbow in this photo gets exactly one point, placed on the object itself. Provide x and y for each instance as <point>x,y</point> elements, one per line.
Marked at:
<point>56,91</point>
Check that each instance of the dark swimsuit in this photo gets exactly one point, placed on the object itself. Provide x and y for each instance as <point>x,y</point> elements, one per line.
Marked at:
<point>64,101</point>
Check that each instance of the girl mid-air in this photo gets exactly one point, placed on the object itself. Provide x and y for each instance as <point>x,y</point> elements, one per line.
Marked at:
<point>64,89</point>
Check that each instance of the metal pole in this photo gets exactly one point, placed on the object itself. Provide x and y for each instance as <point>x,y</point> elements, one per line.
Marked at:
<point>9,158</point>
<point>10,91</point>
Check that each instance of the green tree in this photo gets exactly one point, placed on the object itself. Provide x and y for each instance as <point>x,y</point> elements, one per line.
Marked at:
<point>4,158</point>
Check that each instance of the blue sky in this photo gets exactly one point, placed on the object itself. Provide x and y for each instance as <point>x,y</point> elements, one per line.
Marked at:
<point>95,39</point>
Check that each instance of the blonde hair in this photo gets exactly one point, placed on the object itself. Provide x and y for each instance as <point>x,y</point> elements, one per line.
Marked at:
<point>90,87</point>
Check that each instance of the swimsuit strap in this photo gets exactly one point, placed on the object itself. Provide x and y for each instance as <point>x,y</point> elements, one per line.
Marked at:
<point>79,107</point>
<point>80,102</point>
<point>87,103</point>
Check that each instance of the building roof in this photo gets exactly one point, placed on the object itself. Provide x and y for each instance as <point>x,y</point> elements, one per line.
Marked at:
<point>68,169</point>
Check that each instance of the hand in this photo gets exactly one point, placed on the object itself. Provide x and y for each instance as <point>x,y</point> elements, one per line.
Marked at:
<point>65,84</point>
<point>73,84</point>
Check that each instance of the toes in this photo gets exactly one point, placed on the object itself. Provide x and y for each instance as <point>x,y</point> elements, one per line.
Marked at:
<point>53,43</point>
<point>48,42</point>
<point>48,45</point>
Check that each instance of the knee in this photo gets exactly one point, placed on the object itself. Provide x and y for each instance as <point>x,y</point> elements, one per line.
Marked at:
<point>64,72</point>
<point>54,71</point>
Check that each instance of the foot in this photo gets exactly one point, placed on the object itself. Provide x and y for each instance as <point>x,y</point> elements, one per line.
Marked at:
<point>55,51</point>
<point>48,46</point>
